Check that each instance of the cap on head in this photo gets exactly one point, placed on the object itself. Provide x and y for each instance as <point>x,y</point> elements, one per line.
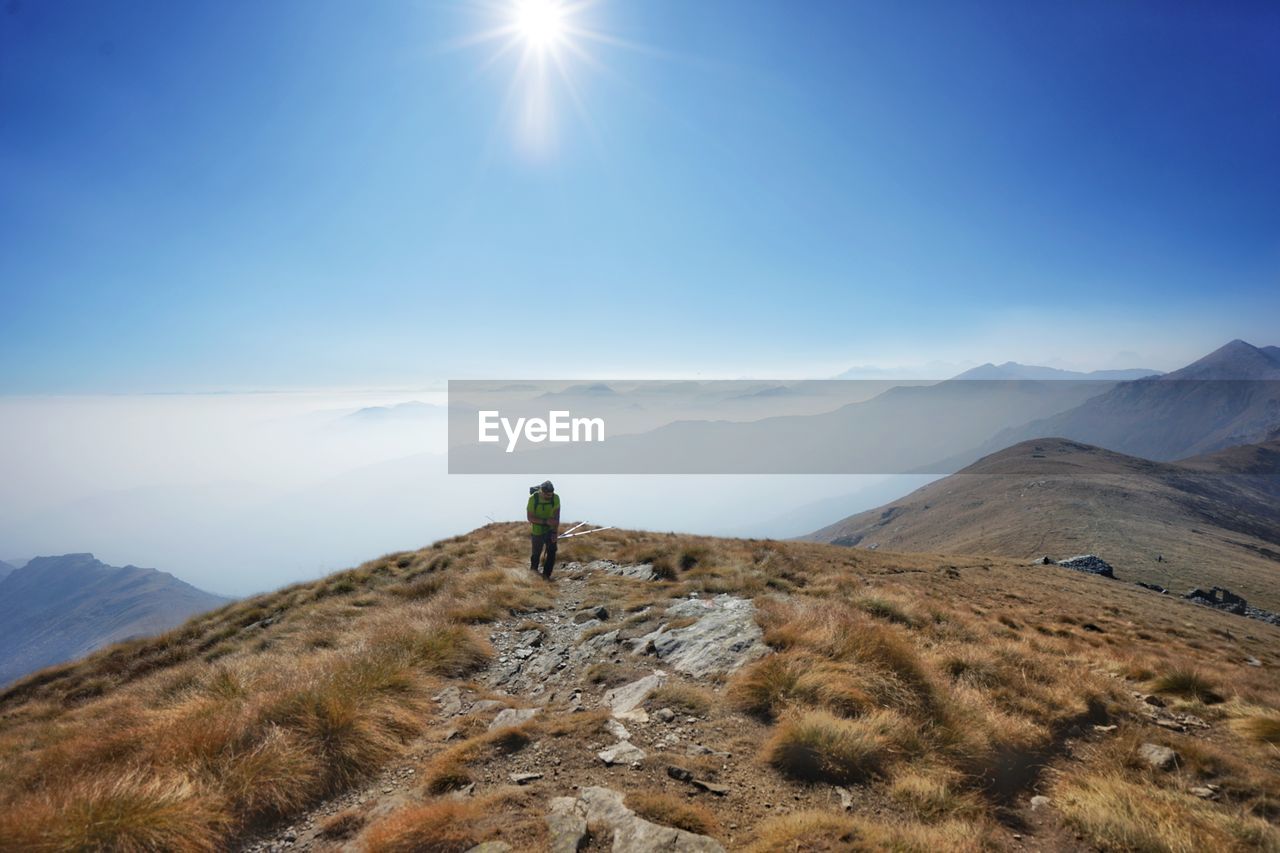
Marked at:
<point>547,487</point>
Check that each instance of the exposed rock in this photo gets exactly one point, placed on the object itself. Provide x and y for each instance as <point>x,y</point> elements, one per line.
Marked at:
<point>632,834</point>
<point>628,697</point>
<point>1158,757</point>
<point>642,572</point>
<point>724,637</point>
<point>1222,599</point>
<point>523,778</point>
<point>1228,602</point>
<point>1039,801</point>
<point>1204,793</point>
<point>598,613</point>
<point>1252,661</point>
<point>680,774</point>
<point>566,825</point>
<point>449,700</point>
<point>616,729</point>
<point>487,705</point>
<point>846,799</point>
<point>622,752</point>
<point>1090,564</point>
<point>512,717</point>
<point>1154,587</point>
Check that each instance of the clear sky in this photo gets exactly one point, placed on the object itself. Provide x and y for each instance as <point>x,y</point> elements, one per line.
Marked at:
<point>202,195</point>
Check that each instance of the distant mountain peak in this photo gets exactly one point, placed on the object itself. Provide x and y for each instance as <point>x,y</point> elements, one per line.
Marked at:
<point>1235,360</point>
<point>59,607</point>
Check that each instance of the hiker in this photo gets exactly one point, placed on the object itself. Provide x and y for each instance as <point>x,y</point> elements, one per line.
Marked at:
<point>544,517</point>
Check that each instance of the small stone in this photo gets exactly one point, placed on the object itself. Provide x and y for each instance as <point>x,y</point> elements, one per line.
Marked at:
<point>846,799</point>
<point>1105,730</point>
<point>622,753</point>
<point>1157,756</point>
<point>664,715</point>
<point>512,717</point>
<point>1204,793</point>
<point>714,788</point>
<point>1154,701</point>
<point>491,847</point>
<point>679,773</point>
<point>523,778</point>
<point>1252,661</point>
<point>1171,725</point>
<point>1039,801</point>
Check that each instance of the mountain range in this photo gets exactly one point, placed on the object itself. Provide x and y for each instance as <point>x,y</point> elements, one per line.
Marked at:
<point>55,609</point>
<point>1227,398</point>
<point>1014,370</point>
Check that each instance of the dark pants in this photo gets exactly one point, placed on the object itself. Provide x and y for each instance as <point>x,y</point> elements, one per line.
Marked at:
<point>540,541</point>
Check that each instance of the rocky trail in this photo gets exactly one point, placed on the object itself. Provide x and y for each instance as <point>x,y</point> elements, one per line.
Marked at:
<point>572,658</point>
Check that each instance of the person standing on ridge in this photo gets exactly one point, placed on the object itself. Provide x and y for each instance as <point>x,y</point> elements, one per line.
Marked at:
<point>544,519</point>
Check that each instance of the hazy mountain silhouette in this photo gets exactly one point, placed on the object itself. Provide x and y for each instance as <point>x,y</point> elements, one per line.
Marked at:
<point>1014,370</point>
<point>1230,397</point>
<point>55,609</point>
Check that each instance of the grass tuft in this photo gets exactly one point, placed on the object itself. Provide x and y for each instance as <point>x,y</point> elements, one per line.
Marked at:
<point>1187,683</point>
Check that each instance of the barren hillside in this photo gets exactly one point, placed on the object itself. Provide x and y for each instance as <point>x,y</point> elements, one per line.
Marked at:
<point>1209,521</point>
<point>664,692</point>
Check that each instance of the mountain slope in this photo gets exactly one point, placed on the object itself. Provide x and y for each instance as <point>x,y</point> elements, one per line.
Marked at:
<point>1211,521</point>
<point>58,608</point>
<point>686,692</point>
<point>5,570</point>
<point>1229,397</point>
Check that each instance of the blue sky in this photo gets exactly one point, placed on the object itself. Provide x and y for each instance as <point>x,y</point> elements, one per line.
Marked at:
<point>259,195</point>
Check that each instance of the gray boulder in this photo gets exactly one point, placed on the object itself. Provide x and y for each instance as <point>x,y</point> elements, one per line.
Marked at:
<point>724,637</point>
<point>1090,564</point>
<point>606,812</point>
<point>1158,757</point>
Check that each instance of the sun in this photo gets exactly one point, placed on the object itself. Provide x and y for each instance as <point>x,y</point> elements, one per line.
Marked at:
<point>541,24</point>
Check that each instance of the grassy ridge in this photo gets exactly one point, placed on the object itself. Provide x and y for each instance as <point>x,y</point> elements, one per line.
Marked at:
<point>940,690</point>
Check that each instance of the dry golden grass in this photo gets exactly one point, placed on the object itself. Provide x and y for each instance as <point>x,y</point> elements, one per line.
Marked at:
<point>1264,728</point>
<point>667,810</point>
<point>944,685</point>
<point>817,746</point>
<point>1118,813</point>
<point>682,698</point>
<point>1186,683</point>
<point>310,694</point>
<point>829,832</point>
<point>440,826</point>
<point>342,825</point>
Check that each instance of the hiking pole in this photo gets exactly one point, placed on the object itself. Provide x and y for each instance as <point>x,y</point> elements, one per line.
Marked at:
<point>583,533</point>
<point>571,529</point>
